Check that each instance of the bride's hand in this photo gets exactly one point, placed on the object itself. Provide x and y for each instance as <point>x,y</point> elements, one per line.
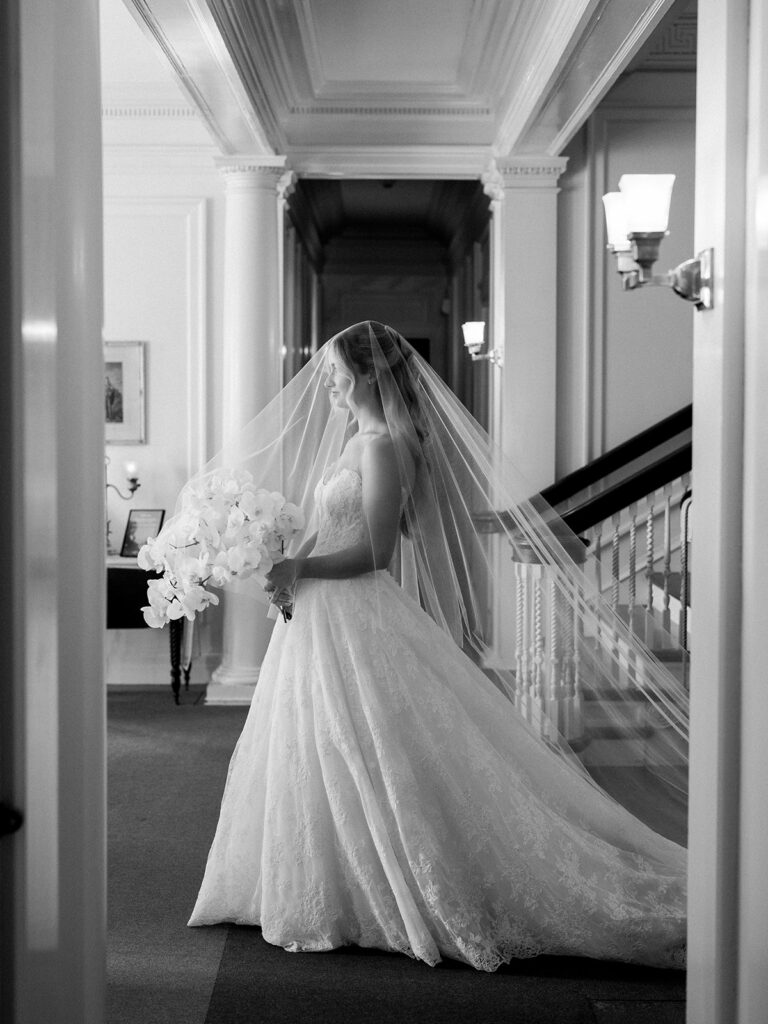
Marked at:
<point>283,576</point>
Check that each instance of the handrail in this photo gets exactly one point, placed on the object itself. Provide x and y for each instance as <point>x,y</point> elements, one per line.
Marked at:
<point>619,456</point>
<point>636,487</point>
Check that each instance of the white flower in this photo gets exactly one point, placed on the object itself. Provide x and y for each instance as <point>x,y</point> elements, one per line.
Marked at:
<point>236,558</point>
<point>226,528</point>
<point>150,555</point>
<point>154,618</point>
<point>235,520</point>
<point>195,600</point>
<point>291,519</point>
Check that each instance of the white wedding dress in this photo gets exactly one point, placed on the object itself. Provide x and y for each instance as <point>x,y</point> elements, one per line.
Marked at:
<point>384,793</point>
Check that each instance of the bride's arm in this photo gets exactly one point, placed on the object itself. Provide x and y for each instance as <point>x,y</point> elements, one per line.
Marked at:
<point>381,508</point>
<point>307,547</point>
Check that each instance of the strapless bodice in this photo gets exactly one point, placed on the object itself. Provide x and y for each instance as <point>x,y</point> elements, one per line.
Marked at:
<point>340,502</point>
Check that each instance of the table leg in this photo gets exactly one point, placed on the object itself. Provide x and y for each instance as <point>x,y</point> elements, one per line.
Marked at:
<point>176,630</point>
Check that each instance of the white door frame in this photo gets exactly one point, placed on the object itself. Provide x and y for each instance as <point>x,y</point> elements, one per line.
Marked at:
<point>53,537</point>
<point>728,826</point>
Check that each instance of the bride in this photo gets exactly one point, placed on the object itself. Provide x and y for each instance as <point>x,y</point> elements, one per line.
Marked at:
<point>391,788</point>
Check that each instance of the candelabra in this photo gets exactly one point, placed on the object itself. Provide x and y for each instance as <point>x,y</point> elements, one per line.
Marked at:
<point>131,476</point>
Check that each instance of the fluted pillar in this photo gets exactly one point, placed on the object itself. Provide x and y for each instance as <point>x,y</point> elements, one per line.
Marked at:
<point>251,376</point>
<point>523,191</point>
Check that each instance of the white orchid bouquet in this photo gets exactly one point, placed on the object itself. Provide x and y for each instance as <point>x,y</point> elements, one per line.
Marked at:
<point>226,528</point>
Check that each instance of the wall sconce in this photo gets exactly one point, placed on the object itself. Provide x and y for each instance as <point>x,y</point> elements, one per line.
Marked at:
<point>636,218</point>
<point>474,338</point>
<point>131,475</point>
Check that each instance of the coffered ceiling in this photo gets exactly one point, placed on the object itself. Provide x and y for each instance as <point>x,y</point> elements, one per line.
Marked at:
<point>325,80</point>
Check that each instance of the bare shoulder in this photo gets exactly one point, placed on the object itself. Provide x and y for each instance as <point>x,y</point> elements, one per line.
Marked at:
<point>382,457</point>
<point>378,453</point>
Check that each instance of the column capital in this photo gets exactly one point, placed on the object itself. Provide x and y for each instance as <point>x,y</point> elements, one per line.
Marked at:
<point>242,173</point>
<point>522,172</point>
<point>286,183</point>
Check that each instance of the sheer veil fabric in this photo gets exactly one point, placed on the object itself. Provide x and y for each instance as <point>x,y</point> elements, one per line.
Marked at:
<point>469,517</point>
<point>501,579</point>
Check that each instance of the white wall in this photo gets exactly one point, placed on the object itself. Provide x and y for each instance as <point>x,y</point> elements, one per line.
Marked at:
<point>624,359</point>
<point>163,245</point>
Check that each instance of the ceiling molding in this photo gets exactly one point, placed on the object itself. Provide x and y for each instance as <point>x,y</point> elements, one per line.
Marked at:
<point>358,110</point>
<point>613,34</point>
<point>519,78</point>
<point>187,40</point>
<point>675,47</point>
<point>389,162</point>
<point>277,50</point>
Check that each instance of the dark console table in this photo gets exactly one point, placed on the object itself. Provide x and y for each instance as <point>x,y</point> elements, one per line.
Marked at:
<point>126,595</point>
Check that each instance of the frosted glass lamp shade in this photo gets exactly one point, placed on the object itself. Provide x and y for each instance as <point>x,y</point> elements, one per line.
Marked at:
<point>616,222</point>
<point>646,201</point>
<point>474,334</point>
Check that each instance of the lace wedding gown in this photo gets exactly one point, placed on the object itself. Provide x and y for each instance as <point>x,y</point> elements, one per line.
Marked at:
<point>384,793</point>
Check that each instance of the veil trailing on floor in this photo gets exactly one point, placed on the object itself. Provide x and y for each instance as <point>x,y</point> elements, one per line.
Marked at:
<point>494,566</point>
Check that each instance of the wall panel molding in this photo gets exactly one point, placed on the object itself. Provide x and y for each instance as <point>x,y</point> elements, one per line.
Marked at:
<point>192,215</point>
<point>598,324</point>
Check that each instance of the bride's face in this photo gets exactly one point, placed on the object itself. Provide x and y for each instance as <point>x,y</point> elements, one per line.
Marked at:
<point>344,383</point>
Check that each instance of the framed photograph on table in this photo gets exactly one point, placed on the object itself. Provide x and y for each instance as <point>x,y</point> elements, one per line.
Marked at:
<point>142,524</point>
<point>124,413</point>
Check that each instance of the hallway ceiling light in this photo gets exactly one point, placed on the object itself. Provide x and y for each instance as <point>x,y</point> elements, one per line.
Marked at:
<point>474,338</point>
<point>636,218</point>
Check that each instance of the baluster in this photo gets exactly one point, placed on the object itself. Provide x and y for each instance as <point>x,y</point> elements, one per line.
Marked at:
<point>576,631</point>
<point>685,513</point>
<point>519,634</point>
<point>615,565</point>
<point>527,649</point>
<point>538,651</point>
<point>632,566</point>
<point>598,549</point>
<point>649,555</point>
<point>555,692</point>
<point>667,560</point>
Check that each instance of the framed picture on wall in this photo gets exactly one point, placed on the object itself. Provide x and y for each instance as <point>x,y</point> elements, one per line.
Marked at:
<point>142,524</point>
<point>124,413</point>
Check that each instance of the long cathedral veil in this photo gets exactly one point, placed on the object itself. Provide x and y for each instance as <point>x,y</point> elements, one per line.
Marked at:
<point>495,567</point>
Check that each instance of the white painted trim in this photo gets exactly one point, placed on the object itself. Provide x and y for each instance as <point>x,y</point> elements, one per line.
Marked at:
<point>752,998</point>
<point>154,110</point>
<point>390,162</point>
<point>717,559</point>
<point>537,60</point>
<point>602,83</point>
<point>197,336</point>
<point>589,248</point>
<point>218,94</point>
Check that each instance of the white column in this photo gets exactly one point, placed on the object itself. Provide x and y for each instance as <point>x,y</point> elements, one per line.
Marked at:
<point>251,376</point>
<point>524,320</point>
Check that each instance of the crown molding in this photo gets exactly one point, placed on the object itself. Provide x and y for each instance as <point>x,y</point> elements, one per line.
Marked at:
<point>390,162</point>
<point>360,110</point>
<point>187,39</point>
<point>525,172</point>
<point>152,111</point>
<point>605,35</point>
